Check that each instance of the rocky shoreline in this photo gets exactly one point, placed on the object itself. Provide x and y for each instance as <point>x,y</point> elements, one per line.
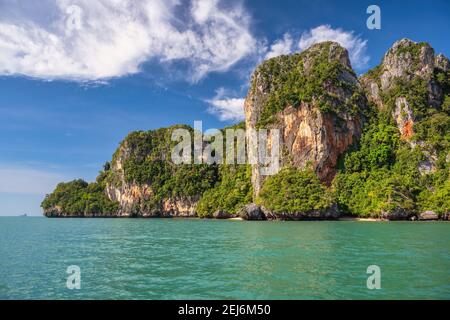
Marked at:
<point>253,212</point>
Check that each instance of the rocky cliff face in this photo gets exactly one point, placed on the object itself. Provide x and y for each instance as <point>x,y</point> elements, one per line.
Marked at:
<point>321,109</point>
<point>324,118</point>
<point>406,62</point>
<point>145,183</point>
<point>406,86</point>
<point>137,198</point>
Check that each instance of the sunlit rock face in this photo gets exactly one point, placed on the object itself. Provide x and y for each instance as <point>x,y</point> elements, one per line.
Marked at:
<point>406,79</point>
<point>323,120</point>
<point>146,183</point>
<point>407,63</point>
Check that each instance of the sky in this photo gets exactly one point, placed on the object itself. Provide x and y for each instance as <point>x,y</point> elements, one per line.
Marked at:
<point>76,76</point>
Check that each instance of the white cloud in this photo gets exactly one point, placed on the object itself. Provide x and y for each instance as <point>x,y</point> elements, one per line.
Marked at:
<point>92,40</point>
<point>226,108</point>
<point>28,181</point>
<point>354,44</point>
<point>280,47</point>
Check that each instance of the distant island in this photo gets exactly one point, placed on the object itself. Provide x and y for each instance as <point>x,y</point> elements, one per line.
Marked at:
<point>375,146</point>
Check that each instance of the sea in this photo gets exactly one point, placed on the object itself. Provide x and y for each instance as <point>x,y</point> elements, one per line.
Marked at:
<point>124,258</point>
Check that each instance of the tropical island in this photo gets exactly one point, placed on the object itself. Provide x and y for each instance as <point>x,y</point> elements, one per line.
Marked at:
<point>373,146</point>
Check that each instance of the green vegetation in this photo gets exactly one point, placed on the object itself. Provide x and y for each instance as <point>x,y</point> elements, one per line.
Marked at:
<point>382,173</point>
<point>437,196</point>
<point>374,74</point>
<point>233,188</point>
<point>376,148</point>
<point>434,130</point>
<point>148,161</point>
<point>369,194</point>
<point>291,84</point>
<point>77,198</point>
<point>413,50</point>
<point>232,191</point>
<point>415,92</point>
<point>294,191</point>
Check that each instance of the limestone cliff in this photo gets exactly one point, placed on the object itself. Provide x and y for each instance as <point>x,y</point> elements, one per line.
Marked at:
<point>145,182</point>
<point>315,100</point>
<point>406,85</point>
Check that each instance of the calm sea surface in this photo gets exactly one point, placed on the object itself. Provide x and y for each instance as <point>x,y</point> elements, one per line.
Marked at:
<point>211,259</point>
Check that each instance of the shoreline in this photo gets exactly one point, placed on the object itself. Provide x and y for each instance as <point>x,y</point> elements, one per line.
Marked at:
<point>341,219</point>
<point>235,219</point>
<point>362,219</point>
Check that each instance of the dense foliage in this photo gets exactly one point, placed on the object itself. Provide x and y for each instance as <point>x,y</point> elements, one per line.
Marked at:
<point>232,191</point>
<point>382,173</point>
<point>436,196</point>
<point>368,188</point>
<point>294,191</point>
<point>291,84</point>
<point>412,50</point>
<point>148,161</point>
<point>78,198</point>
<point>233,188</point>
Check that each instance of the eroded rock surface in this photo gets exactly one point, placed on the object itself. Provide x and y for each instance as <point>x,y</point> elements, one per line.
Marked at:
<point>314,130</point>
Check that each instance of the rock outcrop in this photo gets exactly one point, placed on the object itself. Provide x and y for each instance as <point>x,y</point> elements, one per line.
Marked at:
<point>319,126</point>
<point>260,213</point>
<point>397,214</point>
<point>145,183</point>
<point>405,85</point>
<point>428,215</point>
<point>133,197</point>
<point>331,213</point>
<point>252,212</point>
<point>406,62</point>
<point>220,214</point>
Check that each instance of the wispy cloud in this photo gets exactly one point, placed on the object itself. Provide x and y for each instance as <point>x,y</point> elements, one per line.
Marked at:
<point>280,47</point>
<point>356,46</point>
<point>226,108</point>
<point>93,40</point>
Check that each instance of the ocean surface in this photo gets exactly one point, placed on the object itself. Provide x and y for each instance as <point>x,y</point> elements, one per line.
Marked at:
<point>212,259</point>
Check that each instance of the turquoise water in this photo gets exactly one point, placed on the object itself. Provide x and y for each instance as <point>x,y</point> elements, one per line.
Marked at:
<point>211,259</point>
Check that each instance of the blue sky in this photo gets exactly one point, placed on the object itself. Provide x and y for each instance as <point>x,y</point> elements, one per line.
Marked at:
<point>77,76</point>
